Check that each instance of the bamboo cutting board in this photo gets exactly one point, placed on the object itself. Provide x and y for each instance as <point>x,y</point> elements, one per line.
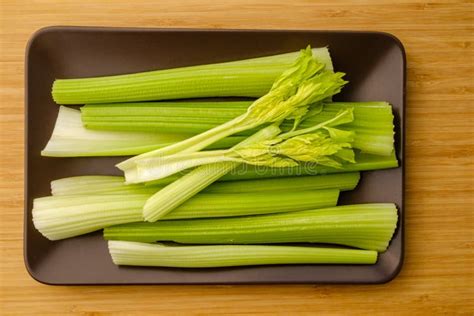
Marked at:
<point>437,277</point>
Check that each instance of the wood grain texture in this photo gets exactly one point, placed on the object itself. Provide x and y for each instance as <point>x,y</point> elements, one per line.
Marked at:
<point>437,277</point>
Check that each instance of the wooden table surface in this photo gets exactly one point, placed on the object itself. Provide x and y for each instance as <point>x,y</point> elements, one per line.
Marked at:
<point>437,277</point>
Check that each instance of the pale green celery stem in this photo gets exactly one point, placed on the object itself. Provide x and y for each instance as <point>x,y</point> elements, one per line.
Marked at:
<point>252,174</point>
<point>366,226</point>
<point>63,216</point>
<point>367,114</point>
<point>149,169</point>
<point>94,185</point>
<point>115,185</point>
<point>363,162</point>
<point>228,205</point>
<point>70,138</point>
<point>373,122</point>
<point>251,77</point>
<point>188,145</point>
<point>174,194</point>
<point>342,181</point>
<point>169,110</point>
<point>158,255</point>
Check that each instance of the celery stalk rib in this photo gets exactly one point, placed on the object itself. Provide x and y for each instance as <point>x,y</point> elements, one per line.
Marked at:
<point>373,121</point>
<point>142,254</point>
<point>366,226</point>
<point>71,139</point>
<point>250,78</point>
<point>363,162</point>
<point>116,185</point>
<point>64,216</point>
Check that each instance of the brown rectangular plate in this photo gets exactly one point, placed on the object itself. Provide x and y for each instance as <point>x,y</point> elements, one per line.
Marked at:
<point>375,67</point>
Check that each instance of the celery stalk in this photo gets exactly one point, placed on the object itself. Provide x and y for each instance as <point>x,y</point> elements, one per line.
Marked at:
<point>221,111</point>
<point>250,78</point>
<point>71,139</point>
<point>366,226</point>
<point>227,205</point>
<point>64,216</point>
<point>364,162</point>
<point>159,255</point>
<point>342,181</point>
<point>116,185</point>
<point>98,185</point>
<point>373,121</point>
<point>372,125</point>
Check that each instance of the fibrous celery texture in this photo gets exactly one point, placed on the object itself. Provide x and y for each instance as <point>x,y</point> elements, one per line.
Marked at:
<point>63,216</point>
<point>254,177</point>
<point>247,78</point>
<point>372,124</point>
<point>373,127</point>
<point>365,226</point>
<point>160,255</point>
<point>71,139</point>
<point>116,185</point>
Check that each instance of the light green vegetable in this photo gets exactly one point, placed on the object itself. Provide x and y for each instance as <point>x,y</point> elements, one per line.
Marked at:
<point>116,185</point>
<point>366,226</point>
<point>363,162</point>
<point>249,78</point>
<point>244,178</point>
<point>372,125</point>
<point>373,121</point>
<point>71,139</point>
<point>159,255</point>
<point>63,216</point>
<point>189,117</point>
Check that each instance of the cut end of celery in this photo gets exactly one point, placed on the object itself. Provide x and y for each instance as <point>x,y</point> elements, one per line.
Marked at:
<point>365,226</point>
<point>71,139</point>
<point>160,255</point>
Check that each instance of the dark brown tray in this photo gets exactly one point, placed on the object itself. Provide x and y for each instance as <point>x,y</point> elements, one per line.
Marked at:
<point>375,66</point>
